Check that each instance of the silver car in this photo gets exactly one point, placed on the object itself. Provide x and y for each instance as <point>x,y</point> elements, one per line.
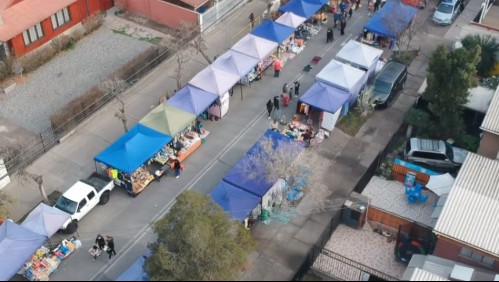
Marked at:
<point>447,11</point>
<point>436,154</point>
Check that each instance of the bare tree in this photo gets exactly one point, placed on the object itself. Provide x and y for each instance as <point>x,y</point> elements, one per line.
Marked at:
<point>285,160</point>
<point>395,22</point>
<point>5,201</point>
<point>406,36</point>
<point>115,86</point>
<point>12,153</point>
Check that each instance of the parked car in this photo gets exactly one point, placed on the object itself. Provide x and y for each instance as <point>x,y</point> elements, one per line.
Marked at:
<point>82,197</point>
<point>436,154</point>
<point>447,11</point>
<point>390,80</point>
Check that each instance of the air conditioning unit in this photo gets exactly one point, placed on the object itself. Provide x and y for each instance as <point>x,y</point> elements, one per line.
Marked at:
<point>462,273</point>
<point>354,211</point>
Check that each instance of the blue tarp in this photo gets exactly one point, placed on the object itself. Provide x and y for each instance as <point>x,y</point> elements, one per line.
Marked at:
<point>325,97</point>
<point>391,20</point>
<point>300,8</point>
<point>192,99</point>
<point>273,31</point>
<point>136,271</point>
<point>133,149</point>
<point>317,2</point>
<point>17,245</point>
<point>235,201</point>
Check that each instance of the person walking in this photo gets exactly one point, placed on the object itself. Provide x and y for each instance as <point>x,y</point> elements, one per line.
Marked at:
<point>285,89</point>
<point>329,35</point>
<point>177,166</point>
<point>252,20</point>
<point>95,251</point>
<point>100,241</point>
<point>297,88</point>
<point>350,12</point>
<point>276,103</point>
<point>277,67</point>
<point>376,5</point>
<point>270,106</point>
<point>343,24</point>
<point>110,247</point>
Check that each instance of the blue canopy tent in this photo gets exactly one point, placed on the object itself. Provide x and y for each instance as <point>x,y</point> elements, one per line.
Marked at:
<point>325,97</point>
<point>133,149</point>
<point>235,201</point>
<point>17,245</point>
<point>192,100</point>
<point>317,2</point>
<point>301,8</point>
<point>391,20</point>
<point>136,272</point>
<point>273,31</point>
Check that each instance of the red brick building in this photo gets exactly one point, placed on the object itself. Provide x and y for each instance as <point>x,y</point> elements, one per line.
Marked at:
<point>28,24</point>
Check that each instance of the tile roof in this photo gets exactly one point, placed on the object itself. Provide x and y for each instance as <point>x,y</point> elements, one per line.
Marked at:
<point>26,14</point>
<point>470,214</point>
<point>491,121</point>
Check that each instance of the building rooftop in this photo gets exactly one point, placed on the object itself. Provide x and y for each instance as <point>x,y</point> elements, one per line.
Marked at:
<point>491,121</point>
<point>390,196</point>
<point>470,212</point>
<point>23,15</point>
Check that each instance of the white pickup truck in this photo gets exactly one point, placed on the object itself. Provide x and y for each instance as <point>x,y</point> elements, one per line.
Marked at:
<point>82,197</point>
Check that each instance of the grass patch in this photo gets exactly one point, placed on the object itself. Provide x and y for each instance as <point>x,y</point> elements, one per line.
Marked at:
<point>152,40</point>
<point>352,123</point>
<point>121,31</point>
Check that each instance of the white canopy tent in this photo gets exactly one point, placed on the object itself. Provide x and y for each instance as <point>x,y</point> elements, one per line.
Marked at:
<point>214,80</point>
<point>440,184</point>
<point>344,77</point>
<point>360,55</point>
<point>254,46</point>
<point>235,62</point>
<point>290,20</point>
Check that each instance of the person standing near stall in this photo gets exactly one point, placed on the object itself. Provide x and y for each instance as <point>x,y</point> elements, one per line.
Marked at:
<point>329,35</point>
<point>100,241</point>
<point>297,88</point>
<point>277,67</point>
<point>177,167</point>
<point>343,24</point>
<point>270,106</point>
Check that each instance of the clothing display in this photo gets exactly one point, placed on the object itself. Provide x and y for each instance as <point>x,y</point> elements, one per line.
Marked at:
<point>45,261</point>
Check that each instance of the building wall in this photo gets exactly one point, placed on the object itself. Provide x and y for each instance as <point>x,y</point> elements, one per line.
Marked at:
<point>385,218</point>
<point>489,145</point>
<point>161,12</point>
<point>449,249</point>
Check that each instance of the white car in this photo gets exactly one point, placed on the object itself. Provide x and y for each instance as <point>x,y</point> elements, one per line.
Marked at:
<point>434,153</point>
<point>447,11</point>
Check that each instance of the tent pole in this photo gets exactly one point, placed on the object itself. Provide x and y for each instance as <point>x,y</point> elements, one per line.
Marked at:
<point>241,90</point>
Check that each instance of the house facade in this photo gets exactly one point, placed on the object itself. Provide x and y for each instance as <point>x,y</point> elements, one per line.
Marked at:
<point>489,144</point>
<point>467,229</point>
<point>28,24</point>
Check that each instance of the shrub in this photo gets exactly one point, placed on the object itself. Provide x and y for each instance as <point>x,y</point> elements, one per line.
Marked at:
<point>365,101</point>
<point>93,22</point>
<point>469,142</point>
<point>37,59</point>
<point>417,118</point>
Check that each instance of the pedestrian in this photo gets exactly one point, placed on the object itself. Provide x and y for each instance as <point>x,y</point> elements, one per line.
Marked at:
<point>277,67</point>
<point>252,20</point>
<point>350,12</point>
<point>95,251</point>
<point>329,35</point>
<point>276,103</point>
<point>376,5</point>
<point>297,88</point>
<point>285,89</point>
<point>100,241</point>
<point>383,2</point>
<point>343,24</point>
<point>270,106</point>
<point>259,71</point>
<point>110,247</point>
<point>177,166</point>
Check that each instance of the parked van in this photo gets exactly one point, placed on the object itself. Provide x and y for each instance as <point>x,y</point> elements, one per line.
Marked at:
<point>390,80</point>
<point>447,11</point>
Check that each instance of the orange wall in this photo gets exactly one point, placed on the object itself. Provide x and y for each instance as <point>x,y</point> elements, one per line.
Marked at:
<point>388,219</point>
<point>162,12</point>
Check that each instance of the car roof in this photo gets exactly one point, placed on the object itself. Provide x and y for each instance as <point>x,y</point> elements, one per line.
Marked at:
<point>428,145</point>
<point>77,191</point>
<point>391,71</point>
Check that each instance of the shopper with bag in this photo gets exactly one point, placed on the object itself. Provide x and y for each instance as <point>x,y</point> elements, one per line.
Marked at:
<point>110,247</point>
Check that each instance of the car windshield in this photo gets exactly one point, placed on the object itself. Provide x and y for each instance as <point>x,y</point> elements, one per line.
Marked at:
<point>449,151</point>
<point>381,86</point>
<point>445,8</point>
<point>65,204</point>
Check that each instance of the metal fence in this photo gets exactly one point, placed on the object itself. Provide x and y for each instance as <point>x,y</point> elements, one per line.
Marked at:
<point>220,9</point>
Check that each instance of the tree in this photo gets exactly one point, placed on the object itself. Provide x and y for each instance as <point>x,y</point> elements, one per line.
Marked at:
<point>286,160</point>
<point>489,48</point>
<point>5,201</point>
<point>14,153</point>
<point>366,101</point>
<point>115,86</point>
<point>197,241</point>
<point>395,22</point>
<point>450,75</point>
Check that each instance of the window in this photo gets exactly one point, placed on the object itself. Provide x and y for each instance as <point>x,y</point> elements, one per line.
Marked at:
<point>60,18</point>
<point>429,155</point>
<point>82,204</point>
<point>32,34</point>
<point>469,254</point>
<point>91,195</point>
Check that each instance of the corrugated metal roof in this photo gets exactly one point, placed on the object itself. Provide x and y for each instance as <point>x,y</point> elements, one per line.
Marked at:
<point>470,213</point>
<point>491,121</point>
<point>26,14</point>
<point>423,275</point>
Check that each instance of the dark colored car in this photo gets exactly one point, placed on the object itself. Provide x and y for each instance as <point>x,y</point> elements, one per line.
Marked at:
<point>390,80</point>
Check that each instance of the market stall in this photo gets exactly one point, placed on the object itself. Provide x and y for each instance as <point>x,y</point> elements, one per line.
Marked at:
<point>45,220</point>
<point>192,100</point>
<point>291,20</point>
<point>254,46</point>
<point>136,271</point>
<point>344,77</point>
<point>360,56</point>
<point>178,124</point>
<point>236,202</point>
<point>385,26</point>
<point>237,63</point>
<point>17,245</point>
<point>128,158</point>
<point>273,31</point>
<point>301,8</point>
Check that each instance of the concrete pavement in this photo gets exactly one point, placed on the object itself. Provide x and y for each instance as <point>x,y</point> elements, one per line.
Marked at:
<point>127,219</point>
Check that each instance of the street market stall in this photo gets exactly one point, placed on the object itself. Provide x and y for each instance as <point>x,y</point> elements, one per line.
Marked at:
<point>237,63</point>
<point>273,31</point>
<point>300,8</point>
<point>360,56</point>
<point>344,77</point>
<point>291,20</point>
<point>236,202</point>
<point>45,220</point>
<point>192,100</point>
<point>128,158</point>
<point>136,271</point>
<point>388,23</point>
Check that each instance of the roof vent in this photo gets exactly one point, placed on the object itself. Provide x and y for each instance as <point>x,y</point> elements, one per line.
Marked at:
<point>461,273</point>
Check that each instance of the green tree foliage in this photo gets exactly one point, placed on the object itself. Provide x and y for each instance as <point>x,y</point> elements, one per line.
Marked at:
<point>489,47</point>
<point>197,242</point>
<point>450,75</point>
